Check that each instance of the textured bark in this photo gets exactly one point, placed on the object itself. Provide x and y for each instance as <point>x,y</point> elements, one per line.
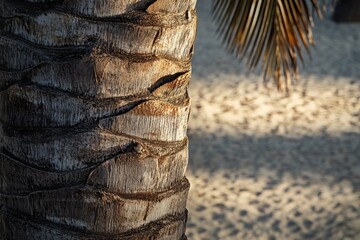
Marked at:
<point>93,117</point>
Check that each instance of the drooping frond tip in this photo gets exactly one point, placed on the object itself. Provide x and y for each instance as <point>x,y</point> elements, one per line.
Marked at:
<point>268,31</point>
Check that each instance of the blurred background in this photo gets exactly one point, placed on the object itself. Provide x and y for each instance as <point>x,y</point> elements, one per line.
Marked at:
<point>266,165</point>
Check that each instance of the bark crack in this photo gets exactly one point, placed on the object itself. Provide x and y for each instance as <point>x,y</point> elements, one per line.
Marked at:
<point>151,229</point>
<point>13,158</point>
<point>136,17</point>
<point>180,186</point>
<point>166,79</point>
<point>50,53</point>
<point>130,148</point>
<point>67,54</point>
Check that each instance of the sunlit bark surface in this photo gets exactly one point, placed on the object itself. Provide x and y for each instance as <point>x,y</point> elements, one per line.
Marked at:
<point>93,116</point>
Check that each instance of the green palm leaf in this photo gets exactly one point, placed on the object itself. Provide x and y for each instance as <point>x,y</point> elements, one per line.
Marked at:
<point>268,31</point>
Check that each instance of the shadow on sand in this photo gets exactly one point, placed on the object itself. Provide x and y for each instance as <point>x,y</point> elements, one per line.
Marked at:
<point>274,187</point>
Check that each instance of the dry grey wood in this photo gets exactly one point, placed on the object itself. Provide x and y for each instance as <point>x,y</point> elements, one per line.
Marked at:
<point>93,118</point>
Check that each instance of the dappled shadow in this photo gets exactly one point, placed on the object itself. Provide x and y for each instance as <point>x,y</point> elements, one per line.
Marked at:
<point>264,165</point>
<point>274,187</point>
<point>325,157</point>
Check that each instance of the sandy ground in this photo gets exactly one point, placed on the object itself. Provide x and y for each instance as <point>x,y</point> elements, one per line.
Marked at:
<point>267,166</point>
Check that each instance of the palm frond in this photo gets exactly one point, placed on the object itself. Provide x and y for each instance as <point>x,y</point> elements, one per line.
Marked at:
<point>268,31</point>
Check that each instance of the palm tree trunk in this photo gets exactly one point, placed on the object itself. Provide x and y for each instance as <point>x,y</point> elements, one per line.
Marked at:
<point>93,117</point>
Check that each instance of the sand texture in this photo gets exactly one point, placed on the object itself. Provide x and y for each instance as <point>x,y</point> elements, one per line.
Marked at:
<point>268,166</point>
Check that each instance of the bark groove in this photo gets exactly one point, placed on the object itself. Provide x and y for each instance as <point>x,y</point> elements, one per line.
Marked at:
<point>93,118</point>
